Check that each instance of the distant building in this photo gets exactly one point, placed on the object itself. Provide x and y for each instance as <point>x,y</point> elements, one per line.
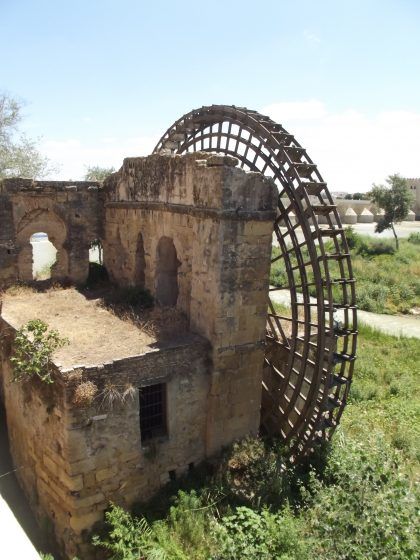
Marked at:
<point>414,185</point>
<point>339,194</point>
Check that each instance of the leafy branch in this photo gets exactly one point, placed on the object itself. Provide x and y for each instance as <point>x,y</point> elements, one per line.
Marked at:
<point>34,346</point>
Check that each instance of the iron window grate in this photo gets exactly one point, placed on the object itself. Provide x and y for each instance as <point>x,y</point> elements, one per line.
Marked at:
<point>152,411</point>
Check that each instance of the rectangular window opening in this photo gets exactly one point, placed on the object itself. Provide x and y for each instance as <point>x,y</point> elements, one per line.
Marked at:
<point>152,411</point>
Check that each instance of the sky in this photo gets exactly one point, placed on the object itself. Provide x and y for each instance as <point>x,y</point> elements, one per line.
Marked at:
<point>103,79</point>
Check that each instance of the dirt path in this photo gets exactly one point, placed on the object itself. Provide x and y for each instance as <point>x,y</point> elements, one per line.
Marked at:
<point>396,325</point>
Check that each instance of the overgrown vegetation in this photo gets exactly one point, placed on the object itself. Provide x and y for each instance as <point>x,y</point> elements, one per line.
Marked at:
<point>353,501</point>
<point>388,281</point>
<point>34,346</point>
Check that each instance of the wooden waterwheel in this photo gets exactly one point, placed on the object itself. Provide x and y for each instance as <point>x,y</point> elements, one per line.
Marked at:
<point>311,348</point>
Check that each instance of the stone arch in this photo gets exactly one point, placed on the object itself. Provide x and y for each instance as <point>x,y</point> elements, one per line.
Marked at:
<point>140,263</point>
<point>46,221</point>
<point>166,279</point>
<point>44,256</point>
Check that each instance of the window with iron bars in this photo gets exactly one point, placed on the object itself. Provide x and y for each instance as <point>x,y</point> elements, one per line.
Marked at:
<point>152,411</point>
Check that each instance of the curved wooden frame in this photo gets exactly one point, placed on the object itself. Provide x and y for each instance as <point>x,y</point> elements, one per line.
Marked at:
<point>312,385</point>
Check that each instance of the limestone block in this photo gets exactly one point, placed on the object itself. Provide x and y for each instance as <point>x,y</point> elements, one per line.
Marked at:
<point>103,474</point>
<point>82,522</point>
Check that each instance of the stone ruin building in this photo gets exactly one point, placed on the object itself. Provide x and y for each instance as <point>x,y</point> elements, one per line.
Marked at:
<point>193,223</point>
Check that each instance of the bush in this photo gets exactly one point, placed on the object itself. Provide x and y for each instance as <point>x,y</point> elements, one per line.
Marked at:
<point>353,238</point>
<point>253,473</point>
<point>414,238</point>
<point>373,248</point>
<point>364,508</point>
<point>127,537</point>
<point>372,297</point>
<point>260,536</point>
<point>34,346</point>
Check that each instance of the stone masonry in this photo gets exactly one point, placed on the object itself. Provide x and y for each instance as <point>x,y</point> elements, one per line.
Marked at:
<point>68,212</point>
<point>196,232</point>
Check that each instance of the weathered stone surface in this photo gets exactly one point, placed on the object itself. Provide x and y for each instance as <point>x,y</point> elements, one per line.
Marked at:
<point>69,213</point>
<point>216,222</point>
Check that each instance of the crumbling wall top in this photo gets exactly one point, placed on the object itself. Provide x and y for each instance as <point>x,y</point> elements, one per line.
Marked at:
<point>19,185</point>
<point>200,180</point>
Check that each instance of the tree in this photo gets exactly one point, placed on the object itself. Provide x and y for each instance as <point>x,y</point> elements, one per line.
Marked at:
<point>19,156</point>
<point>97,173</point>
<point>395,199</point>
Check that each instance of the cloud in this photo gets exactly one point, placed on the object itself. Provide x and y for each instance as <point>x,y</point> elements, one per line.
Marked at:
<point>73,156</point>
<point>353,149</point>
<point>311,37</point>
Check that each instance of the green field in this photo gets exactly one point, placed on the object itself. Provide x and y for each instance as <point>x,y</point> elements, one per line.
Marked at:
<point>388,281</point>
<point>355,500</point>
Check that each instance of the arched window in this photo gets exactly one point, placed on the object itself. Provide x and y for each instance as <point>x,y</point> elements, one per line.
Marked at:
<point>166,272</point>
<point>44,256</point>
<point>96,252</point>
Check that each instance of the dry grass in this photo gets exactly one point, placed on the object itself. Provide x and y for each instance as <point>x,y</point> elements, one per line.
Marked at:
<point>96,335</point>
<point>158,322</point>
<point>114,394</point>
<point>84,394</point>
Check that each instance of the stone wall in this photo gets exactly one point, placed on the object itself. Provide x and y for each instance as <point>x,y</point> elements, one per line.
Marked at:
<point>69,213</point>
<point>220,220</point>
<point>194,230</point>
<point>72,460</point>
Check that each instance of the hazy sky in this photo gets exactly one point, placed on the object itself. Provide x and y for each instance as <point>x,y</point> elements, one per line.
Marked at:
<point>104,79</point>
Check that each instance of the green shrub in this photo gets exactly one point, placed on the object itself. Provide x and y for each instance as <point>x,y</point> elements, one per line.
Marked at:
<point>369,247</point>
<point>364,507</point>
<point>188,530</point>
<point>127,538</point>
<point>278,276</point>
<point>34,346</point>
<point>414,238</point>
<point>253,473</point>
<point>372,297</point>
<point>260,536</point>
<point>353,238</point>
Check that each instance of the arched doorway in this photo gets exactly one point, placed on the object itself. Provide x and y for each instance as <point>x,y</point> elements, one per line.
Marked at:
<point>35,232</point>
<point>96,252</point>
<point>44,256</point>
<point>166,272</point>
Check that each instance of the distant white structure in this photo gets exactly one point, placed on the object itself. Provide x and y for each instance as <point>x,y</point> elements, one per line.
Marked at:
<point>350,216</point>
<point>366,216</point>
